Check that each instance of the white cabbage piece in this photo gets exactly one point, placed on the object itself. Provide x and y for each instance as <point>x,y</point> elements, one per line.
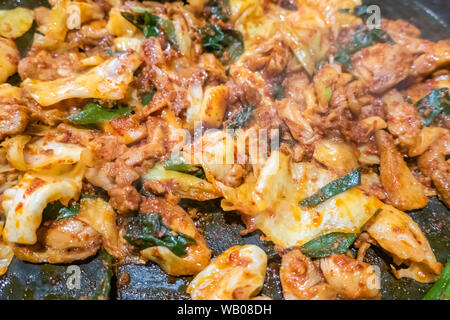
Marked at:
<point>9,58</point>
<point>101,216</point>
<point>14,23</point>
<point>109,80</point>
<point>238,273</point>
<point>44,154</point>
<point>272,200</point>
<point>24,203</point>
<point>40,155</point>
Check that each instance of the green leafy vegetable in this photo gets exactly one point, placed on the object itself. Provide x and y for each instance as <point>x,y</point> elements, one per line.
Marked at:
<point>434,104</point>
<point>220,9</point>
<point>151,25</point>
<point>147,97</point>
<point>361,11</point>
<point>94,113</point>
<point>328,93</point>
<point>226,44</point>
<point>103,289</point>
<point>57,211</point>
<point>441,289</point>
<point>333,188</point>
<point>148,230</point>
<point>362,38</point>
<point>332,243</point>
<point>178,163</point>
<point>240,120</point>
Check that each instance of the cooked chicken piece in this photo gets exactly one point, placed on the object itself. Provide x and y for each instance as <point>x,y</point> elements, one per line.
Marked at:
<point>124,199</point>
<point>45,66</point>
<point>301,279</point>
<point>397,233</point>
<point>440,79</point>
<point>215,69</point>
<point>104,149</point>
<point>403,119</point>
<point>61,241</point>
<point>382,66</point>
<point>93,34</point>
<point>271,58</point>
<point>433,164</point>
<point>351,278</point>
<point>403,190</point>
<point>405,34</point>
<point>436,55</point>
<point>13,120</point>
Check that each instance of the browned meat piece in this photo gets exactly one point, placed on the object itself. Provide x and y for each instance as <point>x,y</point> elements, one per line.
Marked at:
<point>433,164</point>
<point>215,69</point>
<point>405,34</point>
<point>42,65</point>
<point>105,5</point>
<point>403,190</point>
<point>295,85</point>
<point>105,149</point>
<point>153,147</point>
<point>271,58</point>
<point>124,199</point>
<point>403,120</point>
<point>351,278</point>
<point>92,37</point>
<point>301,279</point>
<point>243,93</point>
<point>119,172</point>
<point>436,55</point>
<point>382,66</point>
<point>13,120</point>
<point>61,241</point>
<point>171,84</point>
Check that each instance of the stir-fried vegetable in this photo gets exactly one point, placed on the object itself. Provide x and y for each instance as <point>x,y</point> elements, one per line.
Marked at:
<point>94,113</point>
<point>332,243</point>
<point>441,289</point>
<point>433,105</point>
<point>57,211</point>
<point>181,184</point>
<point>148,230</point>
<point>151,25</point>
<point>362,38</point>
<point>333,188</point>
<point>178,163</point>
<point>241,118</point>
<point>226,44</point>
